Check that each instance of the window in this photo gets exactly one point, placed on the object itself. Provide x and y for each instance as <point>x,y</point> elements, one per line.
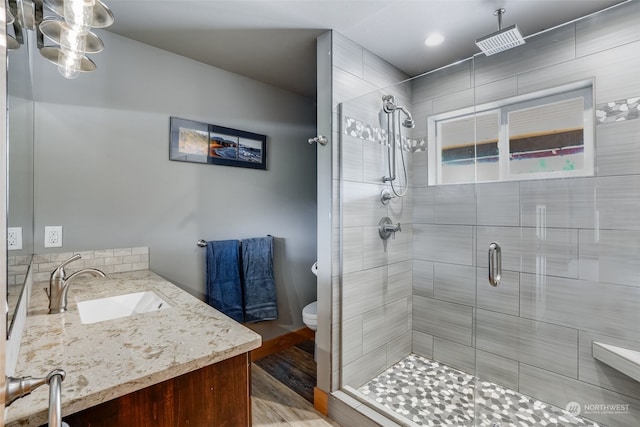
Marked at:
<point>547,134</point>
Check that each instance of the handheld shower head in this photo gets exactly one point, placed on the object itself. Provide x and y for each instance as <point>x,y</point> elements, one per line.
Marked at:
<point>394,140</point>
<point>389,106</point>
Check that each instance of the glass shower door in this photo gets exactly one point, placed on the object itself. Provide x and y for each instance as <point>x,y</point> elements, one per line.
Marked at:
<point>547,337</point>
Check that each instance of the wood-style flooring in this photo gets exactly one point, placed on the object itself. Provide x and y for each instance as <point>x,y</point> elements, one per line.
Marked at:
<point>294,367</point>
<point>282,390</point>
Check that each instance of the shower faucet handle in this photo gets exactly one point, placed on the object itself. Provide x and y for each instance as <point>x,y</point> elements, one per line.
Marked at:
<point>387,229</point>
<point>394,229</point>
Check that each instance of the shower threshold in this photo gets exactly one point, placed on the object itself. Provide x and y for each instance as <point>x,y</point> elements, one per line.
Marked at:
<point>428,393</point>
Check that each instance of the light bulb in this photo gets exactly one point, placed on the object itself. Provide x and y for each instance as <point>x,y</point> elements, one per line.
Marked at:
<point>79,14</point>
<point>72,39</point>
<point>10,17</point>
<point>69,63</point>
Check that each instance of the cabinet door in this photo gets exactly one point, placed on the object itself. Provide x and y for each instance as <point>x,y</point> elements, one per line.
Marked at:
<point>217,395</point>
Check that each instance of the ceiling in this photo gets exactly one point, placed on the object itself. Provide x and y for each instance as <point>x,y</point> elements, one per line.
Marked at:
<point>274,41</point>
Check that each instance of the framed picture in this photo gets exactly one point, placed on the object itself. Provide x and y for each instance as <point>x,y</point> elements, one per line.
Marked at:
<point>197,142</point>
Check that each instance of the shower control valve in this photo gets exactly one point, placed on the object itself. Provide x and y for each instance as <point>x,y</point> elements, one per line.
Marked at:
<point>387,229</point>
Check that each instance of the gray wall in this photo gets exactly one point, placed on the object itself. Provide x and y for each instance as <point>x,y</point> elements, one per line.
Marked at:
<point>20,129</point>
<point>533,333</point>
<point>102,168</point>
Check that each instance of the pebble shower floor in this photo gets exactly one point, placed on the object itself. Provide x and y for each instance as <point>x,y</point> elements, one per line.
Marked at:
<point>429,393</point>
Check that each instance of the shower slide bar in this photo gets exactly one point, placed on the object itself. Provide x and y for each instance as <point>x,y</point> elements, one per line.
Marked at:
<point>495,264</point>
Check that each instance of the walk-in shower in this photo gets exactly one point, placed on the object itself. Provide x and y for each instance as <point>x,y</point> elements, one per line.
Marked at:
<point>395,141</point>
<point>535,149</point>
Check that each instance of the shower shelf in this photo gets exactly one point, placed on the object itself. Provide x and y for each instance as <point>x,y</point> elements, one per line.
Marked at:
<point>622,359</point>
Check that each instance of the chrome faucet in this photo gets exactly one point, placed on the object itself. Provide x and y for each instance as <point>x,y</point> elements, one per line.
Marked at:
<point>15,388</point>
<point>59,284</point>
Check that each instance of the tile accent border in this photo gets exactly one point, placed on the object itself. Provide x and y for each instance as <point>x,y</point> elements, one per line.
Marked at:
<point>617,111</point>
<point>119,260</point>
<point>359,129</point>
<point>365,131</point>
<point>419,144</point>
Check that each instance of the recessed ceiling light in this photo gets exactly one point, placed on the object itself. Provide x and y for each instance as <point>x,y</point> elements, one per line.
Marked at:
<point>434,39</point>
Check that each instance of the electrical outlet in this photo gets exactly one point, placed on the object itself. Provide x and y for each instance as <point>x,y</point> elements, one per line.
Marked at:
<point>53,236</point>
<point>14,238</point>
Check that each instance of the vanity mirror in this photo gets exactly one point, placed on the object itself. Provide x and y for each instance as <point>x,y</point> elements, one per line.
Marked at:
<point>20,117</point>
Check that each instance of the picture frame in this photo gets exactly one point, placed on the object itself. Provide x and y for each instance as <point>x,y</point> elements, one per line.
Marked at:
<point>197,142</point>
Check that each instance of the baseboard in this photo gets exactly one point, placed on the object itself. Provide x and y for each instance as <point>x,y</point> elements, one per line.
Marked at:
<point>282,342</point>
<point>321,401</point>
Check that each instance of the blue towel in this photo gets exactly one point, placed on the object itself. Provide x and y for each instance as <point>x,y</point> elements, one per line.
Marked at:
<point>224,289</point>
<point>259,288</point>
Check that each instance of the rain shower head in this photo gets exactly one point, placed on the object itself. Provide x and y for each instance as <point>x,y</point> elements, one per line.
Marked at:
<point>501,40</point>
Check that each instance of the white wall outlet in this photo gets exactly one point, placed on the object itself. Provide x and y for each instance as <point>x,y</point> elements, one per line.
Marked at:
<point>14,238</point>
<point>53,236</point>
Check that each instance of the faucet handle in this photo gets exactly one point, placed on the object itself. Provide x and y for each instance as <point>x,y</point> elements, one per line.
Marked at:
<point>59,271</point>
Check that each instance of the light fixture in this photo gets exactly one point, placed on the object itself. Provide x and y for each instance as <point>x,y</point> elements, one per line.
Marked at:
<point>434,39</point>
<point>12,43</point>
<point>68,26</point>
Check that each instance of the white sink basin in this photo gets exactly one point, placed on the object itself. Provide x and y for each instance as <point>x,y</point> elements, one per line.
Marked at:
<point>99,310</point>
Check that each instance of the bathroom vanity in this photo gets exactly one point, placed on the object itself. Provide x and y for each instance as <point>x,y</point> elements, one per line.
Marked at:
<point>186,364</point>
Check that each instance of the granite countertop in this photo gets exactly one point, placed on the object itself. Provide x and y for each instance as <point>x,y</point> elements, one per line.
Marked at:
<point>109,359</point>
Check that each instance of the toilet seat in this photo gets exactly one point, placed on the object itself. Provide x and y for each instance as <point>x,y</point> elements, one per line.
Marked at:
<point>310,315</point>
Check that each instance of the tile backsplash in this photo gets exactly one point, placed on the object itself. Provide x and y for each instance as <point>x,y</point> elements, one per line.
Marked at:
<point>17,267</point>
<point>107,260</point>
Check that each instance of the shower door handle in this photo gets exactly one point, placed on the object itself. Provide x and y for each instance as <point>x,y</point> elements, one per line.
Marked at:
<point>495,264</point>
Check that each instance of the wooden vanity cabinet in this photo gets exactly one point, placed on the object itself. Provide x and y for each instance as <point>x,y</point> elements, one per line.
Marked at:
<point>215,396</point>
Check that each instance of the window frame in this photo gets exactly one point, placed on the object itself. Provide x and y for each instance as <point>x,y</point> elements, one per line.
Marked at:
<point>582,89</point>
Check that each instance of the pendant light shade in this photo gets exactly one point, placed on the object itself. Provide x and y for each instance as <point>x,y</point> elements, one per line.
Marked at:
<point>68,24</point>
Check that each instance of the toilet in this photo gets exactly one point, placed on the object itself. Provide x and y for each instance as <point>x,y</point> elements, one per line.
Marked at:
<point>310,311</point>
<point>310,315</point>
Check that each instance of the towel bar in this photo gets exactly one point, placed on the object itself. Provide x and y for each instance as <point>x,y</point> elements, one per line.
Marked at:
<point>203,243</point>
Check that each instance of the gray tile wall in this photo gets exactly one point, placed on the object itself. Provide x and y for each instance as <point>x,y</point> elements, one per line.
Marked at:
<point>571,248</point>
<point>376,281</point>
